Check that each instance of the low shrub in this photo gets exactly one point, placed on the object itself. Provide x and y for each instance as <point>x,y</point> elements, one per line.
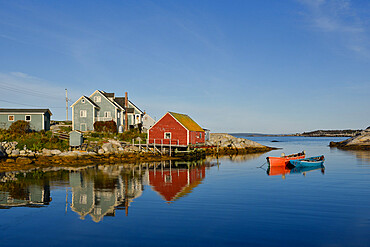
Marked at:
<point>132,134</point>
<point>20,127</point>
<point>105,126</point>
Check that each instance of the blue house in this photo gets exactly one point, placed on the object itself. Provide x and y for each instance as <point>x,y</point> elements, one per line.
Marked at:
<point>102,106</point>
<point>39,119</point>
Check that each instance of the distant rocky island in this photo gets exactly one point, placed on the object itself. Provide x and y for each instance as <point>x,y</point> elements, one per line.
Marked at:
<point>315,133</point>
<point>332,133</point>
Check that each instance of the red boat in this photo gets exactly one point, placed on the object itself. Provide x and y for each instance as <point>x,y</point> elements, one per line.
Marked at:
<point>284,159</point>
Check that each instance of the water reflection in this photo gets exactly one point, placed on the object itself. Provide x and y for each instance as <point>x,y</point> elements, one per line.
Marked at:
<point>360,154</point>
<point>99,191</point>
<point>284,170</point>
<point>22,190</point>
<point>172,183</point>
<point>238,158</point>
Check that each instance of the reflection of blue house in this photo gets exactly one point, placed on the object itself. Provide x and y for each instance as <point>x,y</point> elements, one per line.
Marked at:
<point>87,199</point>
<point>82,194</point>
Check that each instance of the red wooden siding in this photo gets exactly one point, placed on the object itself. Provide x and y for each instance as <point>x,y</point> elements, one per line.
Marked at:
<point>196,137</point>
<point>168,124</point>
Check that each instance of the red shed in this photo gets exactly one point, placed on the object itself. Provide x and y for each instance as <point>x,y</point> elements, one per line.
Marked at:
<point>177,129</point>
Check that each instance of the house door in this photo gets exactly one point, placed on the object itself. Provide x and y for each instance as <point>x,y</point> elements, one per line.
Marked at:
<point>83,127</point>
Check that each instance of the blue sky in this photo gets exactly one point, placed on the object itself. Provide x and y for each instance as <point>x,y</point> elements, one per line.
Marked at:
<point>233,66</point>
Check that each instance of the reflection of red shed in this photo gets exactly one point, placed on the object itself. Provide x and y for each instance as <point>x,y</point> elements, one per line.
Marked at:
<point>175,183</point>
<point>177,129</point>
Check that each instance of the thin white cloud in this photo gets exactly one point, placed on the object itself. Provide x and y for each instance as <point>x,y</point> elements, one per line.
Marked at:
<point>21,90</point>
<point>342,19</point>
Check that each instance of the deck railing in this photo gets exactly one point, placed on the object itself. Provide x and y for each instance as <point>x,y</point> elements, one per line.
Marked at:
<point>164,141</point>
<point>104,119</point>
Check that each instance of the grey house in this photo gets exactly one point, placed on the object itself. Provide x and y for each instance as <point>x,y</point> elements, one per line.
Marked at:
<point>102,106</point>
<point>39,119</point>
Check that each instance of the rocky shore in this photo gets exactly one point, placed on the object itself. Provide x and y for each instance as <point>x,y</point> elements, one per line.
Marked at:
<point>113,151</point>
<point>226,144</point>
<point>360,142</point>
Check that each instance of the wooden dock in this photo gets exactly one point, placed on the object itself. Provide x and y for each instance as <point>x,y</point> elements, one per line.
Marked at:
<point>173,150</point>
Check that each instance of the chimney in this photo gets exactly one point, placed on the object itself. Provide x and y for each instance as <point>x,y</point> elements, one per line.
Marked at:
<point>126,106</point>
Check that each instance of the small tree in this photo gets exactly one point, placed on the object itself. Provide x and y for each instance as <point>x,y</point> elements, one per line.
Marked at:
<point>20,127</point>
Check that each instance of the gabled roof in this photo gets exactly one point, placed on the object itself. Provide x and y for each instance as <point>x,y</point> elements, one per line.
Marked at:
<point>88,99</point>
<point>186,121</point>
<point>121,102</point>
<point>106,97</point>
<point>92,102</point>
<point>109,95</point>
<point>9,110</point>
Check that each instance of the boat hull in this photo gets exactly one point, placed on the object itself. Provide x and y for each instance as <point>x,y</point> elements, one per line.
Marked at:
<point>308,162</point>
<point>282,161</point>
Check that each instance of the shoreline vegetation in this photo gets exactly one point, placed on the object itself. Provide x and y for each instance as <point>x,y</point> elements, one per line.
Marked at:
<point>29,150</point>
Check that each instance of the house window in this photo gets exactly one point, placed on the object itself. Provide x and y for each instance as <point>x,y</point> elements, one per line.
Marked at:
<point>83,199</point>
<point>11,118</point>
<point>83,113</point>
<point>107,114</point>
<point>200,135</point>
<point>167,135</point>
<point>83,127</point>
<point>97,98</point>
<point>97,211</point>
<point>83,101</point>
<point>28,118</point>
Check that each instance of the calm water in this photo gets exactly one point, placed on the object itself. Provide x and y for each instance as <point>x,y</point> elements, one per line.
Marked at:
<point>212,203</point>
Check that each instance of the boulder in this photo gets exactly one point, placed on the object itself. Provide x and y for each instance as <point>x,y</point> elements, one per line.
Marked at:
<point>15,152</point>
<point>23,161</point>
<point>31,154</point>
<point>108,147</point>
<point>46,152</point>
<point>226,140</point>
<point>101,151</point>
<point>361,141</point>
<point>55,152</point>
<point>114,142</point>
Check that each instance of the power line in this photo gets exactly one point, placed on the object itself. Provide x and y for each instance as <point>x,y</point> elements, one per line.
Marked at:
<point>32,105</point>
<point>27,91</point>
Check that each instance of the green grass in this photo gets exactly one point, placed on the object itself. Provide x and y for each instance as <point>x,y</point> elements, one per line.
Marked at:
<point>34,141</point>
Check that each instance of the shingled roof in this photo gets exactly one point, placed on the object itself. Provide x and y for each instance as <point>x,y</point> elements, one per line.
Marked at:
<point>186,121</point>
<point>108,95</point>
<point>10,110</point>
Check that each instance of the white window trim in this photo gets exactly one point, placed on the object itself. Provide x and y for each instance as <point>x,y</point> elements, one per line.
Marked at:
<point>165,133</point>
<point>83,113</point>
<point>97,98</point>
<point>9,118</point>
<point>25,118</point>
<point>83,101</point>
<point>107,114</point>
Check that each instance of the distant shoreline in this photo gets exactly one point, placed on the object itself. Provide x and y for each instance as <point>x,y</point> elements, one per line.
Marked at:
<point>316,133</point>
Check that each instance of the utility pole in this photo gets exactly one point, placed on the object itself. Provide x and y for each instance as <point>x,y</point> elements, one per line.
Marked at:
<point>66,105</point>
<point>126,115</point>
